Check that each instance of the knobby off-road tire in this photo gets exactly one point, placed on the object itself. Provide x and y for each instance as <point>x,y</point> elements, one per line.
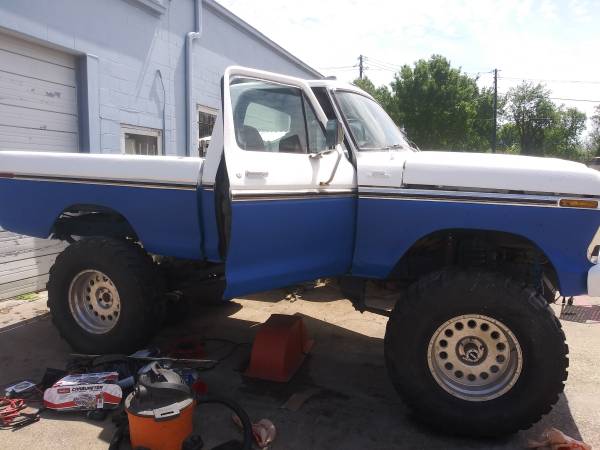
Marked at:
<point>105,296</point>
<point>464,303</point>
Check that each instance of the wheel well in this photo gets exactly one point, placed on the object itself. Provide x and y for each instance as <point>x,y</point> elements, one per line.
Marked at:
<point>92,220</point>
<point>512,254</point>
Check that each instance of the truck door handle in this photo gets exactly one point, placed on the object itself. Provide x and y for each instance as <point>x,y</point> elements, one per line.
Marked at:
<point>256,174</point>
<point>380,174</point>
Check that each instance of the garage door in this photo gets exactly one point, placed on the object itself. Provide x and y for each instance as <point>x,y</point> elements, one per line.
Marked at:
<point>38,111</point>
<point>24,263</point>
<point>38,97</point>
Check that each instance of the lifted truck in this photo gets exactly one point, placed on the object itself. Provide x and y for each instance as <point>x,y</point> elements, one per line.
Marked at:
<point>308,179</point>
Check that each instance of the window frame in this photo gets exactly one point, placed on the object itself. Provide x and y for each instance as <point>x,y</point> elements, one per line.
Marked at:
<point>357,148</point>
<point>303,100</point>
<point>323,130</point>
<point>206,110</point>
<point>141,131</point>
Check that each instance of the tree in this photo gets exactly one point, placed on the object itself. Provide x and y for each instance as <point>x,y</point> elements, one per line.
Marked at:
<point>532,112</point>
<point>594,138</point>
<point>482,129</point>
<point>441,107</point>
<point>382,94</point>
<point>563,137</point>
<point>538,127</point>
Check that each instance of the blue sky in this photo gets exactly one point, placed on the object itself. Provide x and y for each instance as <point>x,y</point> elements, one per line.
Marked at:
<point>542,39</point>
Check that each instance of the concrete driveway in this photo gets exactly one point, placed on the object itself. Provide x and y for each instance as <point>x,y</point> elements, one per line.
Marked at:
<point>353,406</point>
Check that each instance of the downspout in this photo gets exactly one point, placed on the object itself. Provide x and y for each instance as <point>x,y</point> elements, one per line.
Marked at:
<point>189,76</point>
<point>164,113</point>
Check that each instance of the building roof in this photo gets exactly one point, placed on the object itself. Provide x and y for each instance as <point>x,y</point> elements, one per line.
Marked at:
<point>224,12</point>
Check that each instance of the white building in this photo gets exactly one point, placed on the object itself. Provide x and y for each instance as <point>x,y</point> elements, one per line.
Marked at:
<point>114,76</point>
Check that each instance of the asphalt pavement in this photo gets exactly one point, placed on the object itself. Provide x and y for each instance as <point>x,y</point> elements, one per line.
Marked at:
<point>349,402</point>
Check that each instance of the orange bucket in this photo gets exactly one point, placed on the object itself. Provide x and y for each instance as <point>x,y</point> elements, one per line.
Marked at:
<point>162,428</point>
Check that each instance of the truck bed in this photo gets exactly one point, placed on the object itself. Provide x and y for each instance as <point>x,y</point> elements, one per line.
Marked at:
<point>157,196</point>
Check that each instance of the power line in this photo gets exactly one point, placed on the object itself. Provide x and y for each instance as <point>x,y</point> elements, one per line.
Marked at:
<point>552,81</point>
<point>588,100</point>
<point>379,64</point>
<point>383,63</point>
<point>393,66</point>
<point>487,72</point>
<point>338,68</point>
<point>575,99</point>
<point>376,66</point>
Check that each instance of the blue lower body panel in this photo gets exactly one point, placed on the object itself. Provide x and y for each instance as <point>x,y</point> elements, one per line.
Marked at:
<point>210,232</point>
<point>276,243</point>
<point>166,220</point>
<point>387,228</point>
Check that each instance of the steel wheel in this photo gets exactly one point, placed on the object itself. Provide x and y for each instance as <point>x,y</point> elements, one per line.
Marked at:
<point>475,357</point>
<point>94,302</point>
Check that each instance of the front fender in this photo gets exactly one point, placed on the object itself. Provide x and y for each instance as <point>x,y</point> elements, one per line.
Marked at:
<point>387,228</point>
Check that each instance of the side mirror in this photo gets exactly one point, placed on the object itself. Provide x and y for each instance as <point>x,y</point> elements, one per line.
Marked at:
<point>334,133</point>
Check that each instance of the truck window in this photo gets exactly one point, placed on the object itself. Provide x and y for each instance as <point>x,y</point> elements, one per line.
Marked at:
<point>271,117</point>
<point>369,124</point>
<point>316,136</point>
<point>325,102</point>
<point>321,94</point>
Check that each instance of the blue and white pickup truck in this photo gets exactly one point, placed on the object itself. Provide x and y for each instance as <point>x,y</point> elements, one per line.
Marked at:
<point>308,179</point>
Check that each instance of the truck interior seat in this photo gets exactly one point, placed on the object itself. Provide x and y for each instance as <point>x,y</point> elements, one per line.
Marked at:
<point>249,139</point>
<point>291,144</point>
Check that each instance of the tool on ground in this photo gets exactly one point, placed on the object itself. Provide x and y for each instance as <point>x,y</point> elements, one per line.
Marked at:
<point>186,348</point>
<point>263,431</point>
<point>279,348</point>
<point>84,392</point>
<point>148,358</point>
<point>23,402</point>
<point>20,406</point>
<point>19,388</point>
<point>15,414</point>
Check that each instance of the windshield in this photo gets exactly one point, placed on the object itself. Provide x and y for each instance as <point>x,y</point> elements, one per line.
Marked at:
<point>371,127</point>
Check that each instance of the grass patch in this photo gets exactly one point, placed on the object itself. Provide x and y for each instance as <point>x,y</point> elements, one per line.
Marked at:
<point>27,297</point>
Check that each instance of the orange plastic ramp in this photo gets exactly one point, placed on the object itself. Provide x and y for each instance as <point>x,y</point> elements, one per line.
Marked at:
<point>279,348</point>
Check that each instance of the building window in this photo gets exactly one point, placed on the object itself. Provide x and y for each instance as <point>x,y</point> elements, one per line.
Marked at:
<point>206,122</point>
<point>140,141</point>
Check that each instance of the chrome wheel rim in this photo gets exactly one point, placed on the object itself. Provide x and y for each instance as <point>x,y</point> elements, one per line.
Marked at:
<point>94,302</point>
<point>475,357</point>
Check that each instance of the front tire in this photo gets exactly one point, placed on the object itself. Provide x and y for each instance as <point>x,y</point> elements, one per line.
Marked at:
<point>475,353</point>
<point>105,296</point>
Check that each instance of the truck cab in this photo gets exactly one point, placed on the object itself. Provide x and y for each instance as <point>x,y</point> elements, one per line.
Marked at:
<point>325,196</point>
<point>311,179</point>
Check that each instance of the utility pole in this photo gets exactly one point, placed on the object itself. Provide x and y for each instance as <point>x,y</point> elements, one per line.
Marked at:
<point>360,66</point>
<point>494,137</point>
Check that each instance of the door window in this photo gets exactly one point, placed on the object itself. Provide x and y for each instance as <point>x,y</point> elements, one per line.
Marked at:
<point>316,137</point>
<point>271,117</point>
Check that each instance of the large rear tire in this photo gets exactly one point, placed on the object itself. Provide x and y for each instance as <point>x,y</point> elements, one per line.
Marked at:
<point>475,353</point>
<point>105,296</point>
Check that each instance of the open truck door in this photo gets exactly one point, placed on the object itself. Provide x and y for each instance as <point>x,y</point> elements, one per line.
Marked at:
<point>289,210</point>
